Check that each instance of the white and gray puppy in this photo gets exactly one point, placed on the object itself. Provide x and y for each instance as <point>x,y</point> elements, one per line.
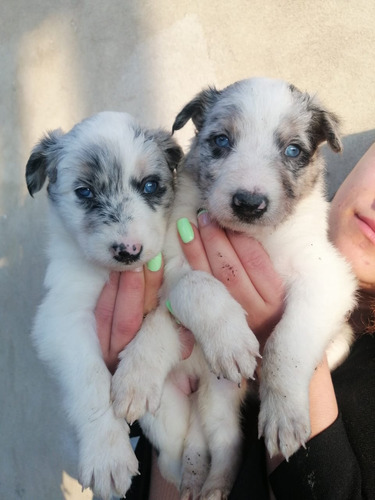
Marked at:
<point>255,165</point>
<point>110,193</point>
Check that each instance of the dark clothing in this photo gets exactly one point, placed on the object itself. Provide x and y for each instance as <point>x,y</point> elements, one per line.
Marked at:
<point>337,464</point>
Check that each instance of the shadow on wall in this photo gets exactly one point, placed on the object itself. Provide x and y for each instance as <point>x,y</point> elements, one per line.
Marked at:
<point>339,165</point>
<point>38,450</point>
<point>34,452</point>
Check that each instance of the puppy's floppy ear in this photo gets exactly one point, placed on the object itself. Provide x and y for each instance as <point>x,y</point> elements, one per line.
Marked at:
<point>196,109</point>
<point>172,151</point>
<point>326,126</point>
<point>330,126</point>
<point>42,162</point>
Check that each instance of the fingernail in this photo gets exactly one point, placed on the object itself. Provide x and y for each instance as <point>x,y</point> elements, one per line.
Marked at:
<point>136,269</point>
<point>185,230</point>
<point>155,263</point>
<point>169,307</point>
<point>203,218</point>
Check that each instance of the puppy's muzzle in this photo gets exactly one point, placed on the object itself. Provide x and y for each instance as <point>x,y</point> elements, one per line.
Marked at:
<point>248,206</point>
<point>126,253</point>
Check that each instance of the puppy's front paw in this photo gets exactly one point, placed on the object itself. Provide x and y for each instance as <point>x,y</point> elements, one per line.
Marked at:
<point>204,306</point>
<point>283,421</point>
<point>107,461</point>
<point>136,388</point>
<point>232,350</point>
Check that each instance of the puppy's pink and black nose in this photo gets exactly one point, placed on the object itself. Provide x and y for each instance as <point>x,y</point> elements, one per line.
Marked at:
<point>249,205</point>
<point>126,253</point>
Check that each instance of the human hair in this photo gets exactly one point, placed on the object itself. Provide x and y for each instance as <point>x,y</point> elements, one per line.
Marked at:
<point>362,319</point>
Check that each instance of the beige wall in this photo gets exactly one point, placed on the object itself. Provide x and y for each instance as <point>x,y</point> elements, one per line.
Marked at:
<point>63,60</point>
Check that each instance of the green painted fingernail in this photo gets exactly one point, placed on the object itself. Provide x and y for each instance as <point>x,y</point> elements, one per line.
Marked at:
<point>185,230</point>
<point>155,263</point>
<point>169,307</point>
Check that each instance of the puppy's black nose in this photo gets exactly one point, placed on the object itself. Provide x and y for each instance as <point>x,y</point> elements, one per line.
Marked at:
<point>248,206</point>
<point>126,253</point>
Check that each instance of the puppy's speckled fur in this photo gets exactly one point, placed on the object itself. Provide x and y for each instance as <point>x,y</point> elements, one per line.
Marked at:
<point>255,165</point>
<point>110,190</point>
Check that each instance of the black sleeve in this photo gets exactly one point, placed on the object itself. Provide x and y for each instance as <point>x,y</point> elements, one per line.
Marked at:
<point>339,463</point>
<point>327,469</point>
<point>140,487</point>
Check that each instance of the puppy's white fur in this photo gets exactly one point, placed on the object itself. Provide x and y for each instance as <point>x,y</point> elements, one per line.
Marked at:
<point>252,184</point>
<point>110,192</point>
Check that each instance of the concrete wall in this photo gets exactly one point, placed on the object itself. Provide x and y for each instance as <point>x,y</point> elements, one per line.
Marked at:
<point>63,60</point>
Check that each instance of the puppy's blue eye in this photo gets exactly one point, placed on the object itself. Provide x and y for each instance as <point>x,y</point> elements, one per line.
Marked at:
<point>222,141</point>
<point>150,187</point>
<point>84,192</point>
<point>292,150</point>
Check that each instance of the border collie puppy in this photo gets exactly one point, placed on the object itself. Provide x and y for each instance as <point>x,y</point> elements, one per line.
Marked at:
<point>110,191</point>
<point>255,166</point>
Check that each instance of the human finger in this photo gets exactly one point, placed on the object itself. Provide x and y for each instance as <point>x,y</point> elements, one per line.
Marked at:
<point>153,280</point>
<point>192,246</point>
<point>104,313</point>
<point>263,315</point>
<point>224,262</point>
<point>187,342</point>
<point>128,311</point>
<point>258,267</point>
<point>236,273</point>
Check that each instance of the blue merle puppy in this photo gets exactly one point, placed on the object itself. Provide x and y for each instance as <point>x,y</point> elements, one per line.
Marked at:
<point>255,165</point>
<point>110,192</point>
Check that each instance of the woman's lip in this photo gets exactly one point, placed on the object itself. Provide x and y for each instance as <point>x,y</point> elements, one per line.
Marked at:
<point>367,226</point>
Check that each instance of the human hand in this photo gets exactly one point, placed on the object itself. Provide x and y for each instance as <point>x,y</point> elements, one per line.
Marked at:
<point>242,265</point>
<point>121,306</point>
